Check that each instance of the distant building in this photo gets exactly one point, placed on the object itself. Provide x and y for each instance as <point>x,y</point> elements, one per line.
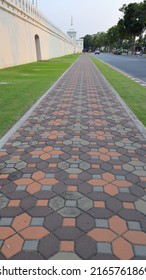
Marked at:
<point>78,43</point>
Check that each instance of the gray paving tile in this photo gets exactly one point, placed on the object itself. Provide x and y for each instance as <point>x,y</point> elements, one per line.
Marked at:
<point>65,256</point>
<point>37,221</point>
<point>30,245</point>
<point>134,225</point>
<point>104,248</point>
<point>140,251</point>
<point>101,223</point>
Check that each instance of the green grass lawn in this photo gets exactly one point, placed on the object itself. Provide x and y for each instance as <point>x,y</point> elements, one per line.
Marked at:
<point>26,84</point>
<point>133,94</point>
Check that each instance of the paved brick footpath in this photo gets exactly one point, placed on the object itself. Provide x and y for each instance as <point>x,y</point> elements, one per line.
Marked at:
<point>73,176</point>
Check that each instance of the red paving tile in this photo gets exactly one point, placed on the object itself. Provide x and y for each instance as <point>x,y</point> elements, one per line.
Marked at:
<point>78,179</point>
<point>117,225</point>
<point>31,233</point>
<point>67,246</point>
<point>122,249</point>
<point>136,237</point>
<point>6,232</point>
<point>20,222</point>
<point>12,246</point>
<point>102,235</point>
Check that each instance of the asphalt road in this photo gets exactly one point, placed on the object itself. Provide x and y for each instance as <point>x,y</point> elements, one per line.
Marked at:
<point>131,64</point>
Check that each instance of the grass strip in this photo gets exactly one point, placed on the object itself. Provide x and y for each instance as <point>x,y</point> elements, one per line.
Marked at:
<point>21,86</point>
<point>133,94</point>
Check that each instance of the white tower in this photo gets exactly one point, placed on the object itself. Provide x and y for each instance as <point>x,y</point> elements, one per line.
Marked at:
<point>71,32</point>
<point>34,2</point>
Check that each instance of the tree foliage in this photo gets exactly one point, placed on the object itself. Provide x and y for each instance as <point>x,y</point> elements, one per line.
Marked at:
<point>127,33</point>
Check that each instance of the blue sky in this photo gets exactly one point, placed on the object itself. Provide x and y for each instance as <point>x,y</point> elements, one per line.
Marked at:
<point>89,16</point>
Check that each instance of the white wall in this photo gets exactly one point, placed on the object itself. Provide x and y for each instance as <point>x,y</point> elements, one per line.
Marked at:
<point>17,35</point>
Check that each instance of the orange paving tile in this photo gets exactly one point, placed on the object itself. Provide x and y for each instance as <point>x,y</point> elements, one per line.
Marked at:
<point>67,246</point>
<point>122,249</point>
<point>6,232</point>
<point>102,235</point>
<point>12,246</point>
<point>34,232</point>
<point>20,222</point>
<point>117,225</point>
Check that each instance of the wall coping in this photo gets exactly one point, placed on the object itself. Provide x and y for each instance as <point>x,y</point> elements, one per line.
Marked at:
<point>30,13</point>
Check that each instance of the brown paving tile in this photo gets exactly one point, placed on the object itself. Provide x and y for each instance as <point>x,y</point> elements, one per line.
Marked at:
<point>73,176</point>
<point>95,166</point>
<point>99,204</point>
<point>4,176</point>
<point>122,183</point>
<point>128,205</point>
<point>75,156</point>
<point>43,202</point>
<point>31,233</point>
<point>20,222</point>
<point>47,149</point>
<point>103,150</point>
<point>34,188</point>
<point>31,165</point>
<point>6,232</point>
<point>114,154</point>
<point>38,175</point>
<point>20,150</point>
<point>97,182</point>
<point>75,149</point>
<point>67,246</point>
<point>143,179</point>
<point>117,167</point>
<point>45,156</point>
<point>122,249</point>
<point>48,181</point>
<point>117,225</point>
<point>56,152</point>
<point>108,177</point>
<point>53,165</point>
<point>3,154</point>
<point>14,203</point>
<point>104,157</point>
<point>135,237</point>
<point>12,246</point>
<point>69,222</point>
<point>72,188</point>
<point>36,152</point>
<point>102,235</point>
<point>23,182</point>
<point>111,189</point>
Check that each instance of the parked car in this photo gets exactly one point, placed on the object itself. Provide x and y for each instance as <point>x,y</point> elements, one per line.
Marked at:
<point>116,51</point>
<point>97,52</point>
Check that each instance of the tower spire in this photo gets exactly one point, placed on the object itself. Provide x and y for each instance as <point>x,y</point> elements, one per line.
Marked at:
<point>71,20</point>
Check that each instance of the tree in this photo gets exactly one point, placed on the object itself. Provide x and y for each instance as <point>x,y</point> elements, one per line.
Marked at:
<point>88,42</point>
<point>100,40</point>
<point>113,37</point>
<point>133,20</point>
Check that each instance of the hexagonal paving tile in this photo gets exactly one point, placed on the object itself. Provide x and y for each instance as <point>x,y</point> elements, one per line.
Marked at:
<point>3,201</point>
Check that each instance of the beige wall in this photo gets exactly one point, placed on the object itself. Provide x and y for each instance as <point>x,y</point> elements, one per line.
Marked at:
<point>17,36</point>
